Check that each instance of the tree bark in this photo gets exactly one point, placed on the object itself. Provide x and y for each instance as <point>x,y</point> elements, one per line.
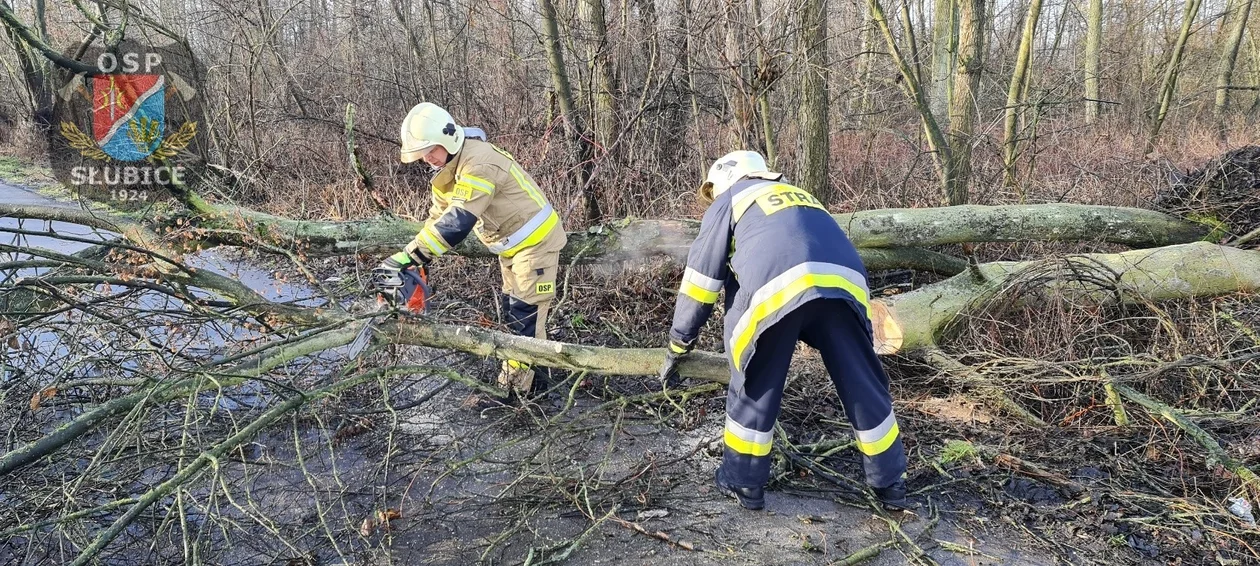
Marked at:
<point>604,111</point>
<point>865,63</point>
<point>944,54</point>
<point>1229,57</point>
<point>762,83</point>
<point>814,123</point>
<point>1015,95</point>
<point>962,100</point>
<point>1093,47</point>
<point>741,134</point>
<point>1168,88</point>
<point>688,65</point>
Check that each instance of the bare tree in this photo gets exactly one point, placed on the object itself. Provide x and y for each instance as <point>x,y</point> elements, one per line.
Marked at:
<point>763,83</point>
<point>1017,92</point>
<point>1239,11</point>
<point>814,123</point>
<point>578,141</point>
<point>741,134</point>
<point>1168,88</point>
<point>963,98</point>
<point>1093,45</point>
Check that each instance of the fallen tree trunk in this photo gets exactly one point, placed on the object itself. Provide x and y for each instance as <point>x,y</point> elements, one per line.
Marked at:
<point>887,239</point>
<point>1063,222</point>
<point>1173,272</point>
<point>635,239</point>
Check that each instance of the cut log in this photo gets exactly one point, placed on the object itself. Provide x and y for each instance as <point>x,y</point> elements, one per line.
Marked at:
<point>1173,272</point>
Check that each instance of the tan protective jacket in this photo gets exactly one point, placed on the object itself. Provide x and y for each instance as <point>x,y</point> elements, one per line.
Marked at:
<point>483,189</point>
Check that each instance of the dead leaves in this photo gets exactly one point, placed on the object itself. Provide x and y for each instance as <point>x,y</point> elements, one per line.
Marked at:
<point>8,334</point>
<point>44,395</point>
<point>379,520</point>
<point>354,426</point>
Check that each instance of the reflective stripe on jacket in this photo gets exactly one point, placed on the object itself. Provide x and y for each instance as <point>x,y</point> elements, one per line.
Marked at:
<point>773,247</point>
<point>483,190</point>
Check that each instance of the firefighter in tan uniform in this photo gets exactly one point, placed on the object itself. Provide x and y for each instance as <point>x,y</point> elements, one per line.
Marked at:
<point>480,188</point>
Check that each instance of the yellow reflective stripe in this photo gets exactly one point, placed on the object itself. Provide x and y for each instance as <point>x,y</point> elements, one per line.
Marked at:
<point>536,237</point>
<point>517,365</point>
<point>432,242</point>
<point>877,447</point>
<point>745,447</point>
<point>476,183</point>
<point>745,440</point>
<point>698,293</point>
<point>750,196</point>
<point>675,348</point>
<point>527,186</point>
<point>765,308</point>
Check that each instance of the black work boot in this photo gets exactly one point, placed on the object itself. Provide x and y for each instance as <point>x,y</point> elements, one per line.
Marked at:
<point>750,497</point>
<point>893,497</point>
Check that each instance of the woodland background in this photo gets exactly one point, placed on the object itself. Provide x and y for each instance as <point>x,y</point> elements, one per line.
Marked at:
<point>628,102</point>
<point>1079,384</point>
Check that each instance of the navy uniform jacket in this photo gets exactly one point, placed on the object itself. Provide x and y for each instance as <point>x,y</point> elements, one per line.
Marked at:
<point>774,248</point>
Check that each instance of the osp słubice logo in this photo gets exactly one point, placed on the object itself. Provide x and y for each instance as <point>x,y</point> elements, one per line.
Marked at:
<point>127,130</point>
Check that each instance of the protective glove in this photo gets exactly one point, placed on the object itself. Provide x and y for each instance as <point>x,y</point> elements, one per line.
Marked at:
<point>669,371</point>
<point>387,277</point>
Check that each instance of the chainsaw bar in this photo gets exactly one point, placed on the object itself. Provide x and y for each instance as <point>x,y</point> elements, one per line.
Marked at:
<point>364,337</point>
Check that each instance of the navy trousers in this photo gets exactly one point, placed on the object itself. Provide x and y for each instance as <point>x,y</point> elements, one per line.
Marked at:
<point>836,329</point>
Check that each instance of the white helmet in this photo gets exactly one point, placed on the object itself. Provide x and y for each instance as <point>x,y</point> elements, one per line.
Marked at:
<point>425,126</point>
<point>732,167</point>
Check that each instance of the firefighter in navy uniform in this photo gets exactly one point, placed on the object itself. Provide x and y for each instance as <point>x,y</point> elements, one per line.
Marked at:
<point>790,273</point>
<point>480,189</point>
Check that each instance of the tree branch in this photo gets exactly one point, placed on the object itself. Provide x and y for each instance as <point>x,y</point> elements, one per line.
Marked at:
<point>10,20</point>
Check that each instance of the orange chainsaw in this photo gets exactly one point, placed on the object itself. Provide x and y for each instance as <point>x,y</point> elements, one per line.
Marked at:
<point>406,291</point>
